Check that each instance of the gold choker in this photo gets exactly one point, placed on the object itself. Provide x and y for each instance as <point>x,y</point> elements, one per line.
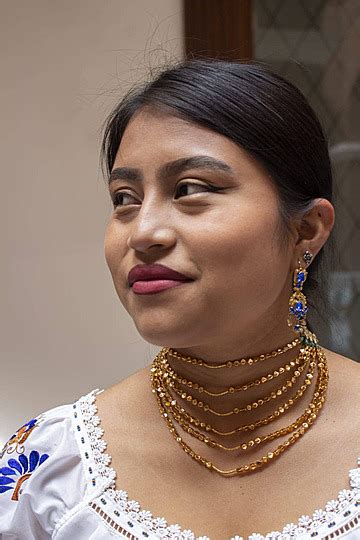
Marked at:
<point>164,381</point>
<point>234,363</point>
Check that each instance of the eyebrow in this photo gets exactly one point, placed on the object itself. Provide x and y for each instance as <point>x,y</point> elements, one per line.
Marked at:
<point>172,168</point>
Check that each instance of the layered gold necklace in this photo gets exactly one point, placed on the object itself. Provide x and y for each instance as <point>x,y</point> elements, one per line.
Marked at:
<point>173,392</point>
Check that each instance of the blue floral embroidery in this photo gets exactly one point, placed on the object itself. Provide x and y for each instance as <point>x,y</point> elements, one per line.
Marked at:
<point>21,469</point>
<point>16,442</point>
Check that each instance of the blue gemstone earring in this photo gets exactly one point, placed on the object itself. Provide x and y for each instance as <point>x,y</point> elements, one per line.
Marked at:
<point>297,303</point>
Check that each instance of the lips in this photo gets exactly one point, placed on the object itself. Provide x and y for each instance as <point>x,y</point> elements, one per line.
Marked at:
<point>149,272</point>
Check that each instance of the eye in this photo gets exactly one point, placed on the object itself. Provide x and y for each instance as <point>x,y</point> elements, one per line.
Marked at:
<point>182,188</point>
<point>120,197</point>
<point>118,200</point>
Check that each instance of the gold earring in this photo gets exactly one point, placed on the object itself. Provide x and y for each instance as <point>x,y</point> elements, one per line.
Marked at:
<point>297,302</point>
<point>307,257</point>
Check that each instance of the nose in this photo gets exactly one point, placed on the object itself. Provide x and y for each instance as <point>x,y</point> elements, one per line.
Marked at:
<point>152,228</point>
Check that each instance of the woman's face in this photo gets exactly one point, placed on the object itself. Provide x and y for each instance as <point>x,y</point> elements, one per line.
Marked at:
<point>217,224</point>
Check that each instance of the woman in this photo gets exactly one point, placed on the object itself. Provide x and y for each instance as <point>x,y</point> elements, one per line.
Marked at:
<point>221,184</point>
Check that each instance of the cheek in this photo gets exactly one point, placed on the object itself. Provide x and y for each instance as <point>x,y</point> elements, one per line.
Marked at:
<point>108,247</point>
<point>113,249</point>
<point>236,242</point>
<point>114,253</point>
<point>241,261</point>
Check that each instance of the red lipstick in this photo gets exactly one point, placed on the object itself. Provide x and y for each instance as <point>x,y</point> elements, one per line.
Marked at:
<point>153,278</point>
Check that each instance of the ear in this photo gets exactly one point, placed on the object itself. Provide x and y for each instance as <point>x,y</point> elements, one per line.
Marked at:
<point>314,228</point>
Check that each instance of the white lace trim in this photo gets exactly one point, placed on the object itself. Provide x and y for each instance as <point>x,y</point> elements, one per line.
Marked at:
<point>347,504</point>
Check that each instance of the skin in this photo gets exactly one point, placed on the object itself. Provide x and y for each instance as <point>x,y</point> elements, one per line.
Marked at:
<point>232,244</point>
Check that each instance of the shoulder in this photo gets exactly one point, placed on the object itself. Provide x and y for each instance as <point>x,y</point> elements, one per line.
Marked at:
<point>133,395</point>
<point>343,368</point>
<point>48,418</point>
<point>32,444</point>
<point>344,377</point>
<point>41,473</point>
<point>343,392</point>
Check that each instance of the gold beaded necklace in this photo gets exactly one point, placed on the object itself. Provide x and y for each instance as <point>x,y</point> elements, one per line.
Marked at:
<point>249,407</point>
<point>275,394</point>
<point>247,427</point>
<point>168,406</point>
<point>243,446</point>
<point>232,389</point>
<point>234,363</point>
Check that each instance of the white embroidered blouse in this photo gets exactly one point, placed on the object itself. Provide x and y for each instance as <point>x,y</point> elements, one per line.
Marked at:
<point>56,482</point>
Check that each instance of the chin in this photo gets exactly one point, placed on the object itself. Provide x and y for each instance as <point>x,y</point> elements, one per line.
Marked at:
<point>164,333</point>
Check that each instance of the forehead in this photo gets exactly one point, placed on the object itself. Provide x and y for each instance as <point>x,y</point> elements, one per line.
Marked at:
<point>150,120</point>
<point>161,136</point>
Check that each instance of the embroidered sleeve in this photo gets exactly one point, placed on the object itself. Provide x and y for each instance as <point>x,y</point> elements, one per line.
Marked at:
<point>35,465</point>
<point>18,465</point>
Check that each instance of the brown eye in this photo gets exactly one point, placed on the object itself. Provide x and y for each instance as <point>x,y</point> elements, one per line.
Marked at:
<point>118,200</point>
<point>182,189</point>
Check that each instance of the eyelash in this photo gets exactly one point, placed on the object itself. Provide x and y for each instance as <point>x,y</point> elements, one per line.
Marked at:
<point>208,187</point>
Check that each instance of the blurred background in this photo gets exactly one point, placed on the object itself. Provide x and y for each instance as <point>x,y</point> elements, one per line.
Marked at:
<point>64,64</point>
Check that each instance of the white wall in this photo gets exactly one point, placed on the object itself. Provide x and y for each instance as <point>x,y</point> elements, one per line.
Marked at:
<point>63,65</point>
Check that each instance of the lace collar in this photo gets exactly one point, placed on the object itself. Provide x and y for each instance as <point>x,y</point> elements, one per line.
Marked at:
<point>336,513</point>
